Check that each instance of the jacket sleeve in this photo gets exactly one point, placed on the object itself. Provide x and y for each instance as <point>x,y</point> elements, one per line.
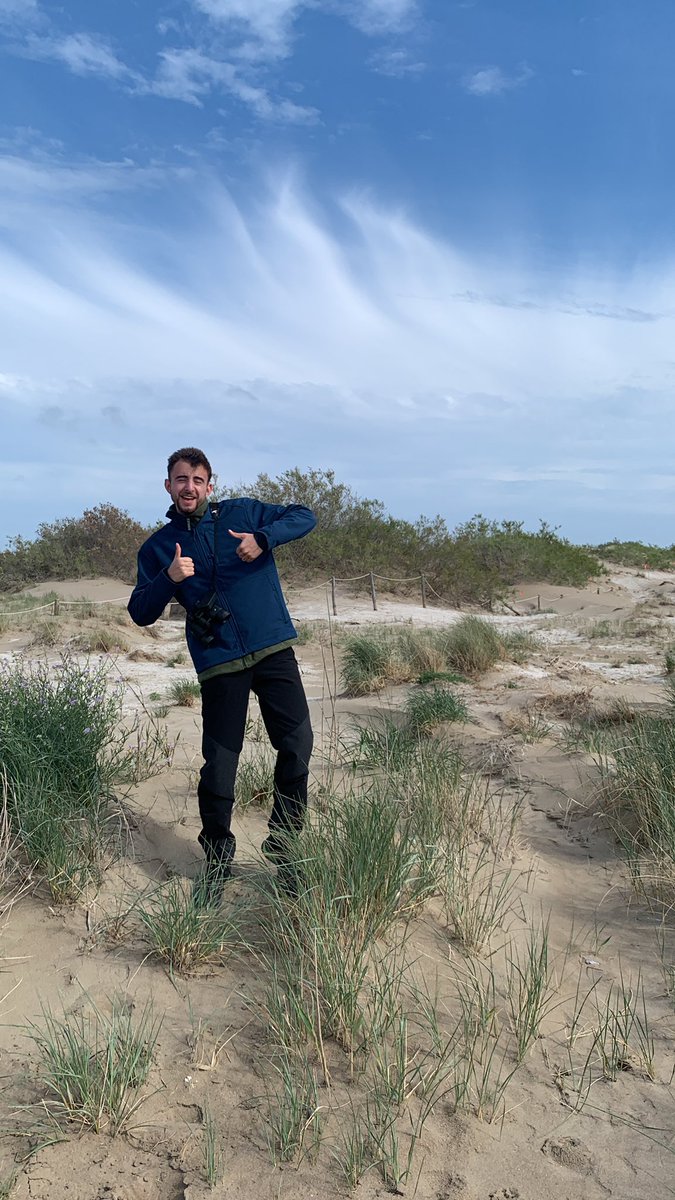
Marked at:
<point>153,590</point>
<point>276,524</point>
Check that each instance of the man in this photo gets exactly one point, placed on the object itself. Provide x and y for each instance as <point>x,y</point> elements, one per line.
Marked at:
<point>216,559</point>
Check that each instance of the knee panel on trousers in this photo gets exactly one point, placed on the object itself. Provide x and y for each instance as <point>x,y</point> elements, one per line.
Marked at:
<point>294,752</point>
<point>220,767</point>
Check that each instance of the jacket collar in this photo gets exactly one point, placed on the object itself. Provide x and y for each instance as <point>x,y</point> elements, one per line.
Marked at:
<point>185,521</point>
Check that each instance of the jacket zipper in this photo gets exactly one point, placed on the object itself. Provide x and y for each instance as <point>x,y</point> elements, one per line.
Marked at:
<point>221,595</point>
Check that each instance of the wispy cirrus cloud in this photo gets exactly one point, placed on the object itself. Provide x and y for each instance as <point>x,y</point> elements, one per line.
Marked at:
<point>259,34</point>
<point>17,10</point>
<point>81,53</point>
<point>383,351</point>
<point>265,28</point>
<point>493,81</point>
<point>396,62</point>
<point>190,75</point>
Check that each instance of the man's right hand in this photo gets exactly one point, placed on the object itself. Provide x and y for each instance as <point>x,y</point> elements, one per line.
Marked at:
<point>181,568</point>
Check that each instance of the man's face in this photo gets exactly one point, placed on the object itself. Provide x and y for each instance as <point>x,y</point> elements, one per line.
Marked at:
<point>188,486</point>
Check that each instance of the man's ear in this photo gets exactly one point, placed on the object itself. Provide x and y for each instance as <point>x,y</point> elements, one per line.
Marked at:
<point>209,489</point>
<point>167,485</point>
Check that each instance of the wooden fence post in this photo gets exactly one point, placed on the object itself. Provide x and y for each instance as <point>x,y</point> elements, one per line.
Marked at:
<point>372,591</point>
<point>424,591</point>
<point>56,606</point>
<point>332,589</point>
<point>538,603</point>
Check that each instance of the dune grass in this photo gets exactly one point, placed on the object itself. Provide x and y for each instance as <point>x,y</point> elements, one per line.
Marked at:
<point>470,647</point>
<point>93,1064</point>
<point>638,770</point>
<point>255,780</point>
<point>63,750</point>
<point>427,708</point>
<point>184,933</point>
<point>185,692</point>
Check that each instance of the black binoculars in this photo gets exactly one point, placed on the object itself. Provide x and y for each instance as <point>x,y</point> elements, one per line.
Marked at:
<point>203,620</point>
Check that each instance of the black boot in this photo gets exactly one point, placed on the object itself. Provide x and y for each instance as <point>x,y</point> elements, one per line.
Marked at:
<point>208,889</point>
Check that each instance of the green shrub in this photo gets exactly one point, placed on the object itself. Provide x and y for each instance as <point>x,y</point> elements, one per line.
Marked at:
<point>47,632</point>
<point>637,554</point>
<point>371,660</point>
<point>602,629</point>
<point>479,562</point>
<point>103,541</point>
<point>440,677</point>
<point>385,743</point>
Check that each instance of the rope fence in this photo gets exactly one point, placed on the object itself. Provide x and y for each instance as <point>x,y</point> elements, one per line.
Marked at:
<point>426,589</point>
<point>57,604</point>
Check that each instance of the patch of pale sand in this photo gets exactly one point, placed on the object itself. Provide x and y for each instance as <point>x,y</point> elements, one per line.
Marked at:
<point>647,672</point>
<point>106,591</point>
<point>640,584</point>
<point>558,635</point>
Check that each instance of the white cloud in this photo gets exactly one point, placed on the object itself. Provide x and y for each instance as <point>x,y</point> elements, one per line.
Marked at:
<point>35,180</point>
<point>22,10</point>
<point>82,53</point>
<point>395,62</point>
<point>268,22</point>
<point>492,81</point>
<point>381,16</point>
<point>189,75</point>
<point>258,331</point>
<point>266,26</point>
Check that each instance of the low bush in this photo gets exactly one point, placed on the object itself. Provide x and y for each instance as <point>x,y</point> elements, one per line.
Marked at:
<point>519,645</point>
<point>103,541</point>
<point>47,632</point>
<point>637,554</point>
<point>477,562</point>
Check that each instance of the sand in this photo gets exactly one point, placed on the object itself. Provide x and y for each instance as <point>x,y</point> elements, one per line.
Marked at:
<point>620,1145</point>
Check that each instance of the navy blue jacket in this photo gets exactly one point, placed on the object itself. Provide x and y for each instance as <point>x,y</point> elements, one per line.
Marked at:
<point>250,592</point>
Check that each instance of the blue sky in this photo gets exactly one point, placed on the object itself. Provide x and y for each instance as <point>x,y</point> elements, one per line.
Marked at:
<point>426,243</point>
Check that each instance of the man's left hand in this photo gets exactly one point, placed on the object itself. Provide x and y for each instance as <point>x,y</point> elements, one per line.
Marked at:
<point>248,549</point>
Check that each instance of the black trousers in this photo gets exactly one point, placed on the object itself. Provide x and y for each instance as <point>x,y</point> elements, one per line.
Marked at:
<point>276,682</point>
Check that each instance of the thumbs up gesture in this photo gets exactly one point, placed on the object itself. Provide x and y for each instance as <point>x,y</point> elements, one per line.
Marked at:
<point>248,549</point>
<point>180,568</point>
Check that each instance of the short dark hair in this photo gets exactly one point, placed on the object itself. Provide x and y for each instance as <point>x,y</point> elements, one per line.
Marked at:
<point>191,455</point>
